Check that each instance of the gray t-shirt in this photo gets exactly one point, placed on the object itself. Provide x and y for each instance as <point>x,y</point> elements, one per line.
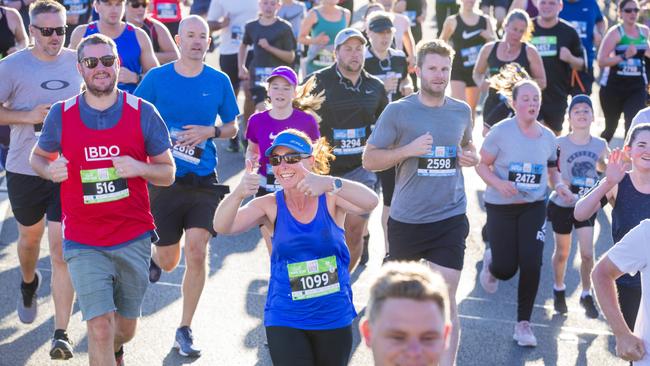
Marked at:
<point>519,159</point>
<point>643,116</point>
<point>294,14</point>
<point>26,82</point>
<point>429,188</point>
<point>577,164</point>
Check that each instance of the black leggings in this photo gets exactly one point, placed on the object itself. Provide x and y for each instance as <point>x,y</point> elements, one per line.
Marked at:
<point>516,234</point>
<point>291,346</point>
<point>629,299</point>
<point>615,101</point>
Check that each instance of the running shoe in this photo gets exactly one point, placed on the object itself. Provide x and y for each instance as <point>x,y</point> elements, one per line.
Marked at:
<point>591,311</point>
<point>184,343</point>
<point>524,334</point>
<point>559,301</point>
<point>27,307</point>
<point>364,254</point>
<point>154,271</point>
<point>233,144</point>
<point>61,347</point>
<point>489,283</point>
<point>119,357</point>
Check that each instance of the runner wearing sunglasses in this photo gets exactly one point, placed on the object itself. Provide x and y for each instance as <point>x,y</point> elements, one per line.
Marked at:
<point>161,39</point>
<point>104,146</point>
<point>133,45</point>
<point>189,95</point>
<point>309,310</point>
<point>25,99</point>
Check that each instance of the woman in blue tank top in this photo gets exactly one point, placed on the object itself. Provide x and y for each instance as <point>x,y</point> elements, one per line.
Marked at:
<point>309,309</point>
<point>629,196</point>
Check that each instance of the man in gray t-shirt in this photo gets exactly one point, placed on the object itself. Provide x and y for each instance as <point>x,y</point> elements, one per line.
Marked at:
<point>428,137</point>
<point>32,80</point>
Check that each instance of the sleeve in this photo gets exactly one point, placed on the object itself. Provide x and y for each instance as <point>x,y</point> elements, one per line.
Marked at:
<point>552,159</point>
<point>146,89</point>
<point>312,128</point>
<point>248,36</point>
<point>383,101</point>
<point>215,11</point>
<point>385,133</point>
<point>154,130</point>
<point>7,84</point>
<point>50,139</point>
<point>288,40</point>
<point>467,134</point>
<point>597,12</point>
<point>576,45</point>
<point>228,110</point>
<point>251,128</point>
<point>491,142</point>
<point>630,254</point>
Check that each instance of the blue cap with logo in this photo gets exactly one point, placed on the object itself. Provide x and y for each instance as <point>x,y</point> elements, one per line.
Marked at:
<point>291,141</point>
<point>580,98</point>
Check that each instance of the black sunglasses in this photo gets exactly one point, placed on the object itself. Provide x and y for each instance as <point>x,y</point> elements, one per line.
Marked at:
<point>47,31</point>
<point>631,10</point>
<point>137,4</point>
<point>92,62</point>
<point>294,158</point>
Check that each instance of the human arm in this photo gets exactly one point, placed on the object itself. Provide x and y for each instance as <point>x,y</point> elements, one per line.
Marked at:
<point>217,18</point>
<point>77,36</point>
<point>306,26</point>
<point>287,56</point>
<point>599,30</point>
<point>448,28</point>
<point>480,67</point>
<point>605,57</point>
<point>15,23</point>
<point>376,159</point>
<point>32,117</point>
<point>518,4</point>
<point>241,58</point>
<point>409,47</point>
<point>160,170</point>
<point>168,50</point>
<point>253,151</point>
<point>576,62</point>
<point>484,170</point>
<point>147,56</point>
<point>536,66</point>
<point>607,187</point>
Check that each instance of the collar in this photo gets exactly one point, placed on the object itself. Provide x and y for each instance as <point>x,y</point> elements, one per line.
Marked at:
<point>347,83</point>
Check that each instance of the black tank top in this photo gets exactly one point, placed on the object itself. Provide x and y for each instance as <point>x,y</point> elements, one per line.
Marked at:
<point>467,41</point>
<point>494,64</point>
<point>7,37</point>
<point>630,209</point>
<point>151,31</point>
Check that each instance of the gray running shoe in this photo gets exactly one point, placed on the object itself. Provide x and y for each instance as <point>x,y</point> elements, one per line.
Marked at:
<point>27,305</point>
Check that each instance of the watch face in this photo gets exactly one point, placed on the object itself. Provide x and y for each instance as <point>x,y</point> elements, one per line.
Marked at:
<point>338,183</point>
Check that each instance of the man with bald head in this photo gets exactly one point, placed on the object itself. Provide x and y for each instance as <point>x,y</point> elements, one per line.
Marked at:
<point>189,95</point>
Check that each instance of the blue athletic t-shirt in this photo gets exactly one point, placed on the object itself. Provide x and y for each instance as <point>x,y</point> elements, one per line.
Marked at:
<point>583,16</point>
<point>185,101</point>
<point>128,50</point>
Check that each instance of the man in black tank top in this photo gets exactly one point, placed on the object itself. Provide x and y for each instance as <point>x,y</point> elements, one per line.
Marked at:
<point>559,45</point>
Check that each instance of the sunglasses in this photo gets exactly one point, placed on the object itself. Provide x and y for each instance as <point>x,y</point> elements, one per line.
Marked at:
<point>631,10</point>
<point>92,62</point>
<point>136,4</point>
<point>294,158</point>
<point>47,31</point>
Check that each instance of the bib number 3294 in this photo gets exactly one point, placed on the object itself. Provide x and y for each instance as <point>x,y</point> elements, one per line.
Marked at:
<point>314,278</point>
<point>349,142</point>
<point>103,185</point>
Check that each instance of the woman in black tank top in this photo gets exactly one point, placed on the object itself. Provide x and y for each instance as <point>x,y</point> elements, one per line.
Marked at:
<point>467,31</point>
<point>512,48</point>
<point>12,32</point>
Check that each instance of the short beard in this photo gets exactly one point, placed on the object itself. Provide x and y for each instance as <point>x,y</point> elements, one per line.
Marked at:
<point>349,68</point>
<point>101,92</point>
<point>426,89</point>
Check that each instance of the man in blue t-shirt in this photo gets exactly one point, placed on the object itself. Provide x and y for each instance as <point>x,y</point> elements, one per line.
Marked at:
<point>189,95</point>
<point>588,21</point>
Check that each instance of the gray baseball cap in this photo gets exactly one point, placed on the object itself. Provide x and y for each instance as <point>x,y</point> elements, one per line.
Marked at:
<point>346,34</point>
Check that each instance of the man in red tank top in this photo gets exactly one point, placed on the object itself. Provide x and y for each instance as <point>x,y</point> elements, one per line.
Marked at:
<point>103,146</point>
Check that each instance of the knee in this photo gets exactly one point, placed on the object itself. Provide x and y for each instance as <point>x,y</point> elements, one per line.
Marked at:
<point>168,261</point>
<point>502,272</point>
<point>101,328</point>
<point>561,254</point>
<point>587,258</point>
<point>195,255</point>
<point>354,236</point>
<point>125,334</point>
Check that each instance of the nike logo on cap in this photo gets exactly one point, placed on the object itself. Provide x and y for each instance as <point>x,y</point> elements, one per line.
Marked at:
<point>471,34</point>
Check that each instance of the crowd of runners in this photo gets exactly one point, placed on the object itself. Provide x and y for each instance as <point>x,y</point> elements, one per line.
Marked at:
<point>113,115</point>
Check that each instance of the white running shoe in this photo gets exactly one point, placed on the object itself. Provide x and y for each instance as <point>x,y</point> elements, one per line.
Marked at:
<point>488,281</point>
<point>524,334</point>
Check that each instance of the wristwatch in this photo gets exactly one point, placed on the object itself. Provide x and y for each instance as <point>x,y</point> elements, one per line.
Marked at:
<point>337,184</point>
<point>217,132</point>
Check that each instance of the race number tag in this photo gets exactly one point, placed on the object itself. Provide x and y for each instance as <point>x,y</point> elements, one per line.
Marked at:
<point>580,27</point>
<point>582,185</point>
<point>270,183</point>
<point>236,35</point>
<point>188,154</point>
<point>630,67</point>
<point>167,11</point>
<point>470,55</point>
<point>441,162</point>
<point>546,45</point>
<point>315,278</point>
<point>349,142</point>
<point>526,176</point>
<point>324,58</point>
<point>412,15</point>
<point>75,7</point>
<point>261,74</point>
<point>103,185</point>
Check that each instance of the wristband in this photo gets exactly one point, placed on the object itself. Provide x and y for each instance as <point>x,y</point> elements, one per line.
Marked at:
<point>217,132</point>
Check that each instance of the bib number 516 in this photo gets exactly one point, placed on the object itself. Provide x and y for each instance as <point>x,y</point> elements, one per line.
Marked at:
<point>105,187</point>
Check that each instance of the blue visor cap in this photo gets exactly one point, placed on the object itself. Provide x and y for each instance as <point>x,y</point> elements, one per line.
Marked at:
<point>291,141</point>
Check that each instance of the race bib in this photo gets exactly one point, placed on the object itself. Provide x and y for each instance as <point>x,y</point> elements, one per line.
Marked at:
<point>630,67</point>
<point>103,185</point>
<point>470,55</point>
<point>412,15</point>
<point>261,74</point>
<point>269,182</point>
<point>546,45</point>
<point>582,185</point>
<point>75,7</point>
<point>441,162</point>
<point>580,27</point>
<point>349,142</point>
<point>190,154</point>
<point>167,11</point>
<point>236,35</point>
<point>324,58</point>
<point>315,278</point>
<point>526,176</point>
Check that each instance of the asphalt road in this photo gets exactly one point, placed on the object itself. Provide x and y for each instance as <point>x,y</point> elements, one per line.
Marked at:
<point>228,324</point>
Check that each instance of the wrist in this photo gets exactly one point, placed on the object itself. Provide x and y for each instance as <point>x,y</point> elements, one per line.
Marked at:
<point>217,132</point>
